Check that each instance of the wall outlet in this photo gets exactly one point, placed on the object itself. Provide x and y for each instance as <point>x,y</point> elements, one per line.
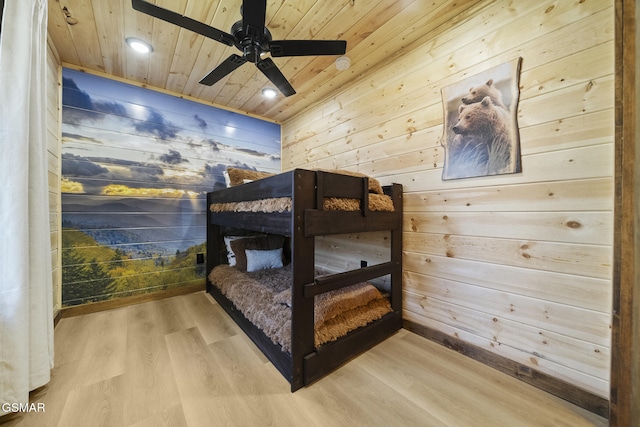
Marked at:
<point>363,263</point>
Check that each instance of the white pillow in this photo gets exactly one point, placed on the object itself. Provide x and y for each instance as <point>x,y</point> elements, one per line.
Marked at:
<point>262,260</point>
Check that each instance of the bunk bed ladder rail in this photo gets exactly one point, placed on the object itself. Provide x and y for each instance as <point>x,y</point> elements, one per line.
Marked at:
<point>339,280</point>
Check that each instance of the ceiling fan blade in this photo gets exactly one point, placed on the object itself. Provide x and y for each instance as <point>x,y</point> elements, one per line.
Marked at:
<point>307,47</point>
<point>253,17</point>
<point>182,21</point>
<point>227,66</point>
<point>271,70</point>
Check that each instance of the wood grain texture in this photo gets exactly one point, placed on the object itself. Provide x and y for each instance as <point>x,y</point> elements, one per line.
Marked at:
<point>150,386</point>
<point>625,375</point>
<point>376,32</point>
<point>173,377</point>
<point>513,263</point>
<point>548,383</point>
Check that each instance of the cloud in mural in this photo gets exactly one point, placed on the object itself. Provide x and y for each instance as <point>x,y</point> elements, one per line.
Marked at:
<point>108,167</point>
<point>202,123</point>
<point>173,158</point>
<point>210,172</point>
<point>211,176</point>
<point>193,143</point>
<point>80,107</point>
<point>156,125</point>
<point>123,190</point>
<point>241,165</point>
<point>129,170</point>
<point>123,177</point>
<point>256,153</point>
<point>216,169</point>
<point>91,186</point>
<point>66,136</point>
<point>251,152</point>
<point>68,186</point>
<point>73,96</point>
<point>73,165</point>
<point>127,163</point>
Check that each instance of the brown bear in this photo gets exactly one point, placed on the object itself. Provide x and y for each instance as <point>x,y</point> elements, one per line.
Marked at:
<point>477,93</point>
<point>482,144</point>
<point>482,118</point>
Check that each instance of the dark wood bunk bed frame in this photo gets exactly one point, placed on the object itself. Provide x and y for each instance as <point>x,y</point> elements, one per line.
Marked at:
<point>307,219</point>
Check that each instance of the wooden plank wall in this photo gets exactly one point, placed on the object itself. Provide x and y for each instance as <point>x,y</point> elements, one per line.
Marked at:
<point>519,265</point>
<point>54,111</point>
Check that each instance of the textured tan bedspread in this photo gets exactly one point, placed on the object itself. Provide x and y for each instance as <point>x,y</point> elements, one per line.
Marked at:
<point>264,297</point>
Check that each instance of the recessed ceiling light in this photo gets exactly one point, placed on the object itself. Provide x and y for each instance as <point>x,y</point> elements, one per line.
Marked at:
<point>139,45</point>
<point>269,92</point>
<point>343,63</point>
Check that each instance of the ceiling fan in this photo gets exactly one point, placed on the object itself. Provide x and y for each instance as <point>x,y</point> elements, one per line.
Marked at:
<point>252,38</point>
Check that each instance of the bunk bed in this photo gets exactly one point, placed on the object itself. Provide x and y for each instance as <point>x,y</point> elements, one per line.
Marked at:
<point>301,213</point>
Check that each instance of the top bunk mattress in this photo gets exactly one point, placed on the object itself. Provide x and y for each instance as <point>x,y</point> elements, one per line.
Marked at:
<point>378,201</point>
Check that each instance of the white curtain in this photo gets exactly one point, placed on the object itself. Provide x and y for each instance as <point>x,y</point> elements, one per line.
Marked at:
<point>26,300</point>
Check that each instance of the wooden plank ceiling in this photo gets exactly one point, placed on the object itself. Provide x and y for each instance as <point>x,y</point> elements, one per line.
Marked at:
<point>376,31</point>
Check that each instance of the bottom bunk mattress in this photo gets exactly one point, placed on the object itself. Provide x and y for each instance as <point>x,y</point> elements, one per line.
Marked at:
<point>264,298</point>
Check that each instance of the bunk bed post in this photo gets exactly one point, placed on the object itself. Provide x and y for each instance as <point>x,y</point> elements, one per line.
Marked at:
<point>396,252</point>
<point>364,204</point>
<point>213,243</point>
<point>302,249</point>
<point>320,191</point>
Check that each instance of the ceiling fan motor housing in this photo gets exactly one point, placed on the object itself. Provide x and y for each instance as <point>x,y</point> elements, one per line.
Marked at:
<point>252,47</point>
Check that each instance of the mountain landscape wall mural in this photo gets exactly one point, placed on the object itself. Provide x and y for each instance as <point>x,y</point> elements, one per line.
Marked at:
<point>136,167</point>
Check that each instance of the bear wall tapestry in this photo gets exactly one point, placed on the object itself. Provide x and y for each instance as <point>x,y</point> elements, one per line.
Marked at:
<point>480,124</point>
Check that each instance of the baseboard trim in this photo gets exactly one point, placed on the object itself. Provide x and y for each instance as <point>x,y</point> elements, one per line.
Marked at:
<point>94,307</point>
<point>589,401</point>
<point>57,317</point>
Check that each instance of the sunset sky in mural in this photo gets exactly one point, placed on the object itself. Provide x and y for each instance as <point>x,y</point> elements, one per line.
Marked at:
<point>165,140</point>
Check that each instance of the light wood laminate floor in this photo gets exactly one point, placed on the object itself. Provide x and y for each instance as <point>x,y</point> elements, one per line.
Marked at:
<point>181,361</point>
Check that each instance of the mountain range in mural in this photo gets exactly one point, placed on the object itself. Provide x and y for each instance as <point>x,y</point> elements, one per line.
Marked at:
<point>136,225</point>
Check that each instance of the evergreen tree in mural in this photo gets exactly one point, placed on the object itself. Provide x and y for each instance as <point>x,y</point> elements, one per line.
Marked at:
<point>118,257</point>
<point>83,282</point>
<point>101,285</point>
<point>73,272</point>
